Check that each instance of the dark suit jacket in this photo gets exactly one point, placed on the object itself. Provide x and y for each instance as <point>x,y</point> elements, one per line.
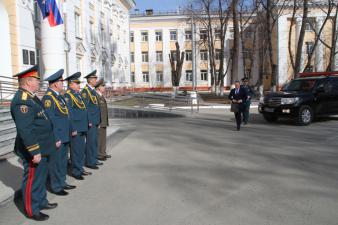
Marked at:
<point>241,95</point>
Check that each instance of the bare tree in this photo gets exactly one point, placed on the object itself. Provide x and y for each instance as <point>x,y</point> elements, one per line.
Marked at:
<point>176,62</point>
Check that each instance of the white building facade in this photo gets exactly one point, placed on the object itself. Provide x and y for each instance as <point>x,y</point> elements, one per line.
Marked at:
<point>95,35</point>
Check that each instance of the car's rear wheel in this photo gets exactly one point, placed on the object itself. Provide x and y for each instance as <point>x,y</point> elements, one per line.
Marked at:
<point>305,115</point>
<point>270,118</point>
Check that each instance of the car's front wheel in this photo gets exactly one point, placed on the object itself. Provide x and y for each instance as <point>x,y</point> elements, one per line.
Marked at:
<point>305,115</point>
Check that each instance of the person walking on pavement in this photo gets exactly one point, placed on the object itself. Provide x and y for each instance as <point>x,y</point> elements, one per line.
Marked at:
<point>34,143</point>
<point>102,132</point>
<point>238,96</point>
<point>89,97</point>
<point>250,93</point>
<point>79,126</point>
<point>57,111</point>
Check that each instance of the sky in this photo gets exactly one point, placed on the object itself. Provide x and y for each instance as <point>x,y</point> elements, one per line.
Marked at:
<point>159,5</point>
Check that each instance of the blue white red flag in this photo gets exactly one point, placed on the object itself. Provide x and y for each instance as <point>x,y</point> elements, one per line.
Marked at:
<point>51,9</point>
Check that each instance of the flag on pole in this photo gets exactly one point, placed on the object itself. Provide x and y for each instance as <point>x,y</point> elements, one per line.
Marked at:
<point>51,9</point>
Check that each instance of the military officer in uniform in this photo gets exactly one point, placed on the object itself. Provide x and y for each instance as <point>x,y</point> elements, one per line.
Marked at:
<point>102,131</point>
<point>79,126</point>
<point>89,96</point>
<point>33,144</point>
<point>250,92</point>
<point>57,111</point>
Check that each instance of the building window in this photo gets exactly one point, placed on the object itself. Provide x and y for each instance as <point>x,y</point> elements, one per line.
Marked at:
<point>204,55</point>
<point>218,34</point>
<point>158,35</point>
<point>188,35</point>
<point>92,32</point>
<point>188,55</point>
<point>309,25</point>
<point>145,77</point>
<point>309,69</point>
<point>32,57</point>
<point>173,54</point>
<point>159,56</point>
<point>131,36</point>
<point>132,58</point>
<point>102,33</point>
<point>309,47</point>
<point>144,36</point>
<point>77,25</point>
<point>188,75</point>
<point>218,54</point>
<point>78,63</point>
<point>203,35</point>
<point>145,57</point>
<point>25,56</point>
<point>231,33</point>
<point>204,75</point>
<point>159,76</point>
<point>37,56</point>
<point>132,77</point>
<point>173,35</point>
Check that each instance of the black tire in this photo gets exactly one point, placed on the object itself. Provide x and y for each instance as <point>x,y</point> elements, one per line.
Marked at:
<point>270,118</point>
<point>305,116</point>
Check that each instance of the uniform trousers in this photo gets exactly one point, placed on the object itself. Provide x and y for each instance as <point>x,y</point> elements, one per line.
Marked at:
<point>102,142</point>
<point>246,111</point>
<point>34,186</point>
<point>58,168</point>
<point>91,146</point>
<point>77,153</point>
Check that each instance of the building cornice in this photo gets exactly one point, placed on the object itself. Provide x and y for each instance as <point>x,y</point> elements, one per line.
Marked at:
<point>128,3</point>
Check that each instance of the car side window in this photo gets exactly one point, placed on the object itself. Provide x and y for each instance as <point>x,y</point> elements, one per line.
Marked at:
<point>333,86</point>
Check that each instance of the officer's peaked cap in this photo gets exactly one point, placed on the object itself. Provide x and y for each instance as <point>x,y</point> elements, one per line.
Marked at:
<point>74,77</point>
<point>91,75</point>
<point>55,77</point>
<point>31,72</point>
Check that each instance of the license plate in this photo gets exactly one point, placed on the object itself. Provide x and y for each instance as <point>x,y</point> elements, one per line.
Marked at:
<point>269,109</point>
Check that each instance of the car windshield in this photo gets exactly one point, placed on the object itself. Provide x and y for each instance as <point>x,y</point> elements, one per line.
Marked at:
<point>299,85</point>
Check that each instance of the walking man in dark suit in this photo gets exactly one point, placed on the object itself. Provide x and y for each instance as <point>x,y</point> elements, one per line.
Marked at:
<point>34,143</point>
<point>238,96</point>
<point>102,138</point>
<point>57,111</point>
<point>89,97</point>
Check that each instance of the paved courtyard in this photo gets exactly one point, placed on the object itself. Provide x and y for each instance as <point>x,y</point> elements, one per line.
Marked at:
<point>200,171</point>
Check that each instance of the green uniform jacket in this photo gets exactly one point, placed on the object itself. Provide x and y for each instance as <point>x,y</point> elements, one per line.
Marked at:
<point>34,128</point>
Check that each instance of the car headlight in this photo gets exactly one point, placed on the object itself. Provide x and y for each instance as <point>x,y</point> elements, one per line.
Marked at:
<point>261,100</point>
<point>289,101</point>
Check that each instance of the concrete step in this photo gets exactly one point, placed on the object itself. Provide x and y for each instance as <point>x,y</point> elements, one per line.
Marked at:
<point>5,112</point>
<point>7,139</point>
<point>6,120</point>
<point>7,128</point>
<point>6,151</point>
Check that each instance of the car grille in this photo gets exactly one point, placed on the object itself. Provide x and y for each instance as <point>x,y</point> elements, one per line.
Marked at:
<point>272,101</point>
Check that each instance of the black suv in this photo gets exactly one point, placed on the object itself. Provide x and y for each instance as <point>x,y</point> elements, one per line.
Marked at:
<point>303,99</point>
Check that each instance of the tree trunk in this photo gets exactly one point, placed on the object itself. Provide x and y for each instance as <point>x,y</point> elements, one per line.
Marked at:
<point>234,62</point>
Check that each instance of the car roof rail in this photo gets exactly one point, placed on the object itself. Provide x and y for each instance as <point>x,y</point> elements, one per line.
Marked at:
<point>318,74</point>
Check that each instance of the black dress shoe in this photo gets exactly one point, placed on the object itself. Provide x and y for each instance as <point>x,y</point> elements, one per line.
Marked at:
<point>86,173</point>
<point>78,177</point>
<point>69,187</point>
<point>108,156</point>
<point>99,163</point>
<point>102,158</point>
<point>40,217</point>
<point>61,193</point>
<point>50,206</point>
<point>93,167</point>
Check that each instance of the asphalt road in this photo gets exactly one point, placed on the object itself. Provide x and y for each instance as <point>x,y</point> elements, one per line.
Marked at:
<point>201,171</point>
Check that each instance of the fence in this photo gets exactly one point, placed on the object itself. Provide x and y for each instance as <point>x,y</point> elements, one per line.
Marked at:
<point>168,101</point>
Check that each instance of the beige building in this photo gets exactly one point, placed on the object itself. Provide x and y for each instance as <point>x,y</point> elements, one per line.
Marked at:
<point>153,37</point>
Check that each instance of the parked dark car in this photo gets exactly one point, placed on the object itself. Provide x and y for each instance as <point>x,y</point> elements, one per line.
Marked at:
<point>303,99</point>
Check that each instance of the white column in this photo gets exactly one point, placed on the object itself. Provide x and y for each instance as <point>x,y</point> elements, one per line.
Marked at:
<point>52,47</point>
<point>282,50</point>
<point>319,59</point>
<point>336,56</point>
<point>298,28</point>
